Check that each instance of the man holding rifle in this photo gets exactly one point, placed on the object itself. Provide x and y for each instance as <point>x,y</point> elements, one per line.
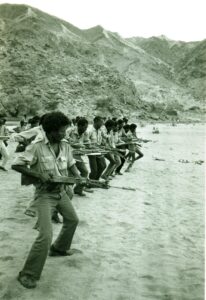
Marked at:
<point>97,162</point>
<point>78,138</point>
<point>112,156</point>
<point>48,157</point>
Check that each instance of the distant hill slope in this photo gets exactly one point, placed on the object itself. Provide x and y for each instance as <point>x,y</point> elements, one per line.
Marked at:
<point>47,63</point>
<point>187,60</point>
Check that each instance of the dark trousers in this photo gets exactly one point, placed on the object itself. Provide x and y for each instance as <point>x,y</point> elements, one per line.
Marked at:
<point>123,159</point>
<point>45,204</point>
<point>83,173</point>
<point>97,166</point>
<point>118,169</point>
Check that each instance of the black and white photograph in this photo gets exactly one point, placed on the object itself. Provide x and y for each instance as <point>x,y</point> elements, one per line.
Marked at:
<point>102,149</point>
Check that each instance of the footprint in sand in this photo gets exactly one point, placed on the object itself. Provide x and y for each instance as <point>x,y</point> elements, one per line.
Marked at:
<point>126,225</point>
<point>3,235</point>
<point>149,277</point>
<point>147,203</point>
<point>6,258</point>
<point>83,223</point>
<point>19,221</point>
<point>74,263</point>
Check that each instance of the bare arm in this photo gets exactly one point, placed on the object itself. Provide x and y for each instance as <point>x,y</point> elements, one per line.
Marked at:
<point>74,171</point>
<point>28,172</point>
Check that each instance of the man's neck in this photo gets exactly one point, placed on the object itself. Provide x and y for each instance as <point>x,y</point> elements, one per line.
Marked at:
<point>51,140</point>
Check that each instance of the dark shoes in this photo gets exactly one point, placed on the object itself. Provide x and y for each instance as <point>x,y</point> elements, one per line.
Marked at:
<point>55,252</point>
<point>3,169</point>
<point>27,281</point>
<point>118,173</point>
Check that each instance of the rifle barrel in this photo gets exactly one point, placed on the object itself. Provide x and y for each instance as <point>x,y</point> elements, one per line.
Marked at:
<point>122,188</point>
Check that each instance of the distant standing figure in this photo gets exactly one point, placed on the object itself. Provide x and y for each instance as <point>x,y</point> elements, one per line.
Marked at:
<point>4,134</point>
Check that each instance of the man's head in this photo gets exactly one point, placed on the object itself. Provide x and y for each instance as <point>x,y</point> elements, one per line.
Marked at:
<point>115,127</point>
<point>82,125</point>
<point>22,123</point>
<point>42,118</point>
<point>125,120</point>
<point>126,127</point>
<point>55,125</point>
<point>98,122</point>
<point>109,124</point>
<point>133,127</point>
<point>2,119</point>
<point>34,121</point>
<point>120,124</point>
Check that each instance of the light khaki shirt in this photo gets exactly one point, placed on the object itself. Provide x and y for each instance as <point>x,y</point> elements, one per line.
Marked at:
<point>40,157</point>
<point>96,135</point>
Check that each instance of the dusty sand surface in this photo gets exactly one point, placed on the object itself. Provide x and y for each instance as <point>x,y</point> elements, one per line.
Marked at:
<point>147,244</point>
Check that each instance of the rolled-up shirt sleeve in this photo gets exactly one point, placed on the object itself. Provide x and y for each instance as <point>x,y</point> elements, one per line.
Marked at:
<point>28,157</point>
<point>70,159</point>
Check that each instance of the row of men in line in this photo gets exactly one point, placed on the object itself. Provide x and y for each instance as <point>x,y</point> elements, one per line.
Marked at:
<point>54,153</point>
<point>112,135</point>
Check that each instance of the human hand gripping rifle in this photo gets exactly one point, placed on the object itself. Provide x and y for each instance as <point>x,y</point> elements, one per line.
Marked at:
<point>116,151</point>
<point>4,137</point>
<point>89,151</point>
<point>129,142</point>
<point>85,181</point>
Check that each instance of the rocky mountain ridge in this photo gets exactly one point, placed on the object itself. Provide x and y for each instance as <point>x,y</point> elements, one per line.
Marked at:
<point>47,63</point>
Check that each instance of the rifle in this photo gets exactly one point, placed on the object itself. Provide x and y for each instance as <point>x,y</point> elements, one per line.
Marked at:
<point>27,180</point>
<point>85,181</point>
<point>123,188</point>
<point>129,143</point>
<point>97,151</point>
<point>115,151</point>
<point>4,137</point>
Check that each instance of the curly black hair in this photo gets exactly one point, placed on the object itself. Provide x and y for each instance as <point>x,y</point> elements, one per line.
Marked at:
<point>54,121</point>
<point>82,121</point>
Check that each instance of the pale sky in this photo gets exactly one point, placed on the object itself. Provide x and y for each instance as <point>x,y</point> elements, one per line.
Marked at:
<point>177,19</point>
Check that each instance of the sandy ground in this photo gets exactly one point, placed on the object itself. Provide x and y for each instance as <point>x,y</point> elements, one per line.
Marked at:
<point>147,244</point>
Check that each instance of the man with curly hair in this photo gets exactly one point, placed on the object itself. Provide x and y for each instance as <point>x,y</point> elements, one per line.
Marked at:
<point>48,156</point>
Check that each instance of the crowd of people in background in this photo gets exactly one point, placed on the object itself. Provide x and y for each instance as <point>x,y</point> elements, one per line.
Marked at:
<point>53,146</point>
<point>111,133</point>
